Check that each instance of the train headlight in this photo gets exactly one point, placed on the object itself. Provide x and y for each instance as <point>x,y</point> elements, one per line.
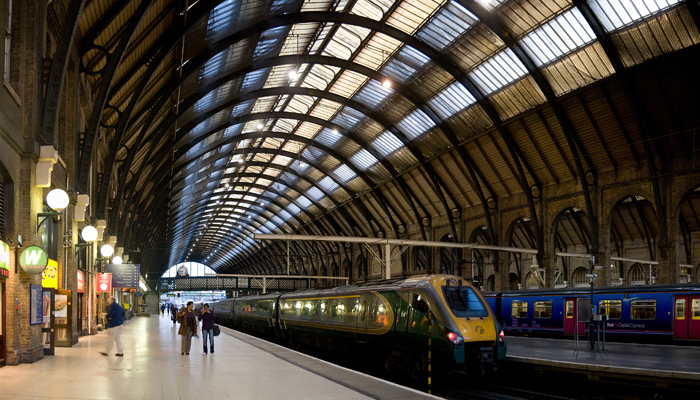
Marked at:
<point>454,338</point>
<point>502,337</point>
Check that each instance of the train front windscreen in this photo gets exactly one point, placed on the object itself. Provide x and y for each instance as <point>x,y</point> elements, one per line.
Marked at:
<point>464,302</point>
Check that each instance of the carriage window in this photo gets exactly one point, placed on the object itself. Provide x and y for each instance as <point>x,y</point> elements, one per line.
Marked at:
<point>680,308</point>
<point>611,308</point>
<point>543,309</point>
<point>696,309</point>
<point>419,304</point>
<point>464,302</point>
<point>569,309</point>
<point>643,309</point>
<point>519,309</point>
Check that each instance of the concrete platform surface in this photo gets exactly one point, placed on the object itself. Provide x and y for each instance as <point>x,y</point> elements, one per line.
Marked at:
<point>680,362</point>
<point>152,369</point>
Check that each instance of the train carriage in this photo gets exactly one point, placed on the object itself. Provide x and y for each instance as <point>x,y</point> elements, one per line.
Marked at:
<point>387,320</point>
<point>653,313</point>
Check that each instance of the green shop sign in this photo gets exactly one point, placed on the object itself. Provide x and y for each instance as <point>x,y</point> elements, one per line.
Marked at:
<point>33,260</point>
<point>4,259</point>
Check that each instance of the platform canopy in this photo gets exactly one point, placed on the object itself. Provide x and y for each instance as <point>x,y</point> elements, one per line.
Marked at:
<point>224,119</point>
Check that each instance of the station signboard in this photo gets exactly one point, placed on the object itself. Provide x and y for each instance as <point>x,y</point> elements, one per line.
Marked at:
<point>124,275</point>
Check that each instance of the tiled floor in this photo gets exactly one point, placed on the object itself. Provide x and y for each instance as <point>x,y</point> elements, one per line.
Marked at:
<point>152,368</point>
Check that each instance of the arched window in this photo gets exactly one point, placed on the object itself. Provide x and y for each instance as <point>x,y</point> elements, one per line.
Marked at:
<point>420,259</point>
<point>532,280</point>
<point>513,281</point>
<point>193,269</point>
<point>636,275</point>
<point>579,277</point>
<point>491,283</point>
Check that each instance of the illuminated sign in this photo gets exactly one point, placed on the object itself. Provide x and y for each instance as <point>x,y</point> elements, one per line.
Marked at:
<point>104,282</point>
<point>49,278</point>
<point>4,259</point>
<point>33,260</point>
<point>81,282</point>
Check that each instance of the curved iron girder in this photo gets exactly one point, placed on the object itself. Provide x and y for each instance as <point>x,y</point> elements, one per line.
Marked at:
<point>292,18</point>
<point>291,172</point>
<point>349,219</point>
<point>640,117</point>
<point>194,213</point>
<point>110,70</point>
<point>176,234</point>
<point>50,105</point>
<point>153,58</point>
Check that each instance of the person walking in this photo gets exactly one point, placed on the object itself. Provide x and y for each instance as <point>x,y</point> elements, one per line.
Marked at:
<point>188,327</point>
<point>207,317</point>
<point>115,323</point>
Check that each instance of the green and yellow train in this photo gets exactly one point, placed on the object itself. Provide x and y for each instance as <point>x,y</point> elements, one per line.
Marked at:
<point>387,321</point>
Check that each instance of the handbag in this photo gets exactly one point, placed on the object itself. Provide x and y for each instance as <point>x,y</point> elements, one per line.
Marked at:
<point>217,330</point>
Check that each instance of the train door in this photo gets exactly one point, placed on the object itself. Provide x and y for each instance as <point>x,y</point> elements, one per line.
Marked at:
<point>686,317</point>
<point>417,321</point>
<point>401,322</point>
<point>570,311</point>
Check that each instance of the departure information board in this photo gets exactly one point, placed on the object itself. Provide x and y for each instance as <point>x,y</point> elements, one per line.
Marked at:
<point>124,275</point>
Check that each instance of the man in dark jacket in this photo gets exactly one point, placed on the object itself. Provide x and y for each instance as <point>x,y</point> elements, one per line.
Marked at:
<point>115,323</point>
<point>207,317</point>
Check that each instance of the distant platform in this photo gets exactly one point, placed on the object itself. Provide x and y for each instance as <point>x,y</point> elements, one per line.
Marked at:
<point>657,360</point>
<point>152,368</point>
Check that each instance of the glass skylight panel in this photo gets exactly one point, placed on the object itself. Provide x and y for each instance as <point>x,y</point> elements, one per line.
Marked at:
<point>373,94</point>
<point>364,160</point>
<point>205,101</point>
<point>387,143</point>
<point>270,41</point>
<point>406,63</point>
<point>241,108</point>
<point>328,137</point>
<point>374,9</point>
<point>312,154</point>
<point>345,173</point>
<point>315,194</point>
<point>491,4</point>
<point>447,25</point>
<point>285,215</point>
<point>345,41</point>
<point>451,100</point>
<point>564,34</point>
<point>279,221</point>
<point>254,80</point>
<point>222,17</point>
<point>499,71</point>
<point>304,202</point>
<point>616,14</point>
<point>348,118</point>
<point>328,184</point>
<point>270,225</point>
<point>293,209</point>
<point>415,124</point>
<point>233,130</point>
<point>213,65</point>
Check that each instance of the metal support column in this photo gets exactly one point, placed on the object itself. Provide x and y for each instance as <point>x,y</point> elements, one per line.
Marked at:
<point>387,272</point>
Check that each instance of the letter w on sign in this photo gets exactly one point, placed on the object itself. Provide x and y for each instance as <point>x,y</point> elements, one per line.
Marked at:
<point>33,257</point>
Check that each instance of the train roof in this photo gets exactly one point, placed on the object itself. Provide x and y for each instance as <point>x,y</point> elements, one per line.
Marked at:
<point>391,284</point>
<point>687,287</point>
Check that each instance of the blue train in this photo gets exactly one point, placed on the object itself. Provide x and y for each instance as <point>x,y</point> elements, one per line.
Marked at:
<point>634,313</point>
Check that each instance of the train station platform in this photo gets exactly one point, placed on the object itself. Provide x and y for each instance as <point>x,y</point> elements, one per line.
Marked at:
<point>152,369</point>
<point>652,360</point>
